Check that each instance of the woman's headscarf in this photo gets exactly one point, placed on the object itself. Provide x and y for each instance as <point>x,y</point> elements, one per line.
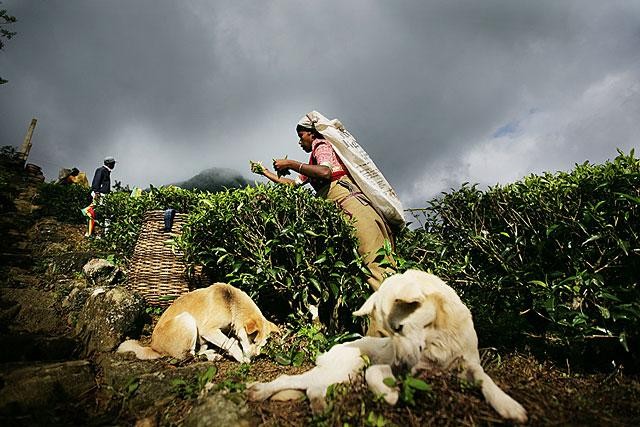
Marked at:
<point>306,122</point>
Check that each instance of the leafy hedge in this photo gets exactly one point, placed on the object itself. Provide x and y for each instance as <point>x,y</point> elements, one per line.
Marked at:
<point>283,246</point>
<point>10,164</point>
<point>62,202</point>
<point>124,212</point>
<point>554,255</point>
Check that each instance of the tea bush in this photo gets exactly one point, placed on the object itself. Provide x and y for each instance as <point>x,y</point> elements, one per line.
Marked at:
<point>10,163</point>
<point>124,212</point>
<point>552,255</point>
<point>283,246</point>
<point>62,202</point>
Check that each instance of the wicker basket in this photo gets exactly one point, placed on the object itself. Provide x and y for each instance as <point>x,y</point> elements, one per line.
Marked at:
<point>155,271</point>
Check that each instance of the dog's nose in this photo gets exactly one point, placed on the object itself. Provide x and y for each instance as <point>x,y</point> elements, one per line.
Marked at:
<point>397,329</point>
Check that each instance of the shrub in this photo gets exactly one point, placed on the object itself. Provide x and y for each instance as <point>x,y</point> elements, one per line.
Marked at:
<point>124,213</point>
<point>286,248</point>
<point>554,255</point>
<point>283,246</point>
<point>63,202</point>
<point>10,166</point>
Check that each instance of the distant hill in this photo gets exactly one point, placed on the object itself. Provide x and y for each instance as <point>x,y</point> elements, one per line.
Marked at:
<point>214,179</point>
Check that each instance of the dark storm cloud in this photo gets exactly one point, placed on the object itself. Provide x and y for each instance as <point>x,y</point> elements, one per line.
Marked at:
<point>173,88</point>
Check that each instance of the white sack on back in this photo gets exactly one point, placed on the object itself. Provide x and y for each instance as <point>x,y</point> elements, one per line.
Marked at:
<point>361,168</point>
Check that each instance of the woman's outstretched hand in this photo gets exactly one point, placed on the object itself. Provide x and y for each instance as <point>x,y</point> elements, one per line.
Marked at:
<point>281,169</point>
<point>282,166</point>
<point>256,167</point>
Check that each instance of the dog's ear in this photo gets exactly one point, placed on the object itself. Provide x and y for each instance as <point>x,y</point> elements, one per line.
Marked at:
<point>368,305</point>
<point>442,311</point>
<point>410,294</point>
<point>251,327</point>
<point>399,312</point>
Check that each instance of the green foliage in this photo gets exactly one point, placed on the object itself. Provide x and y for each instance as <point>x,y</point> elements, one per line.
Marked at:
<point>409,387</point>
<point>9,153</point>
<point>236,380</point>
<point>130,388</point>
<point>304,345</point>
<point>10,164</point>
<point>5,19</point>
<point>554,255</point>
<point>192,388</point>
<point>155,311</point>
<point>376,420</point>
<point>284,247</point>
<point>386,257</point>
<point>126,393</point>
<point>63,202</point>
<point>125,213</point>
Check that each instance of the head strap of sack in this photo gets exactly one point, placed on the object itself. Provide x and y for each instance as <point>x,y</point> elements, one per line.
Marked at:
<point>319,123</point>
<point>308,122</point>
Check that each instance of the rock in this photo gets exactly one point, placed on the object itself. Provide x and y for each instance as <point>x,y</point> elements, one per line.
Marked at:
<point>108,317</point>
<point>8,311</point>
<point>217,410</point>
<point>36,313</point>
<point>71,262</point>
<point>100,272</point>
<point>29,347</point>
<point>77,298</point>
<point>153,381</point>
<point>43,386</point>
<point>68,301</point>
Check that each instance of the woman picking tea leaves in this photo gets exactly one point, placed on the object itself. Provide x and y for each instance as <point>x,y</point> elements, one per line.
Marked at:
<point>330,178</point>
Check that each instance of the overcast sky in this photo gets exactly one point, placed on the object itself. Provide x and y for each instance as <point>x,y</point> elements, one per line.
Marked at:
<point>437,92</point>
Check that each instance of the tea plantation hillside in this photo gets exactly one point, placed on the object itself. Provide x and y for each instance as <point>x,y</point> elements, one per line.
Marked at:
<point>548,266</point>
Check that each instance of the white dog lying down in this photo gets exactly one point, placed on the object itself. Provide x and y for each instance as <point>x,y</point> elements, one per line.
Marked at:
<point>423,324</point>
<point>202,316</point>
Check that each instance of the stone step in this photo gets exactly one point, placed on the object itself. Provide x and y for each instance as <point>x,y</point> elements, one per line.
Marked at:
<point>16,277</point>
<point>37,312</point>
<point>16,246</point>
<point>38,388</point>
<point>29,347</point>
<point>14,259</point>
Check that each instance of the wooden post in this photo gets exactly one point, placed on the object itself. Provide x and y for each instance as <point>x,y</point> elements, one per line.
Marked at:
<point>26,144</point>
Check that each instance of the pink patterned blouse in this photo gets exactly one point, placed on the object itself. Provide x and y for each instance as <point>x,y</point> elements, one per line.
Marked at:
<point>322,153</point>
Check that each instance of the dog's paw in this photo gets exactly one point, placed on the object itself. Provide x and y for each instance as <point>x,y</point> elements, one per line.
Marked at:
<point>238,355</point>
<point>375,376</point>
<point>512,410</point>
<point>258,391</point>
<point>211,355</point>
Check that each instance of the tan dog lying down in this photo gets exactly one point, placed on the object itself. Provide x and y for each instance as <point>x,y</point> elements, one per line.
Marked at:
<point>203,316</point>
<point>423,324</point>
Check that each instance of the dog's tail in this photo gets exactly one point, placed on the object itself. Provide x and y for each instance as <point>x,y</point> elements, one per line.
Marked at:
<point>141,352</point>
<point>504,404</point>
